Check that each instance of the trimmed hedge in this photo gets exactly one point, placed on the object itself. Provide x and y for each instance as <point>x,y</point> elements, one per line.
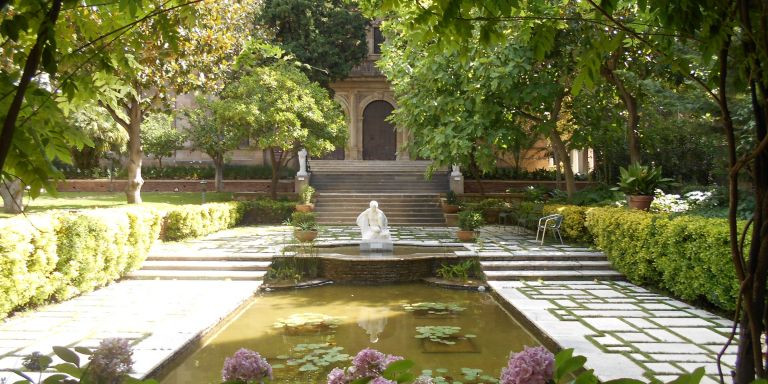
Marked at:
<point>199,220</point>
<point>267,211</point>
<point>574,219</point>
<point>686,255</point>
<point>61,254</point>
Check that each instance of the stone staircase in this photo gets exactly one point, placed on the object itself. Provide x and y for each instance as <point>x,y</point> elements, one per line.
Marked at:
<point>415,210</point>
<point>178,265</point>
<point>345,188</point>
<point>556,264</point>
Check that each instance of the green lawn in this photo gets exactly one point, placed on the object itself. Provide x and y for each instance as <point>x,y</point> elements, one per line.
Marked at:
<point>82,200</point>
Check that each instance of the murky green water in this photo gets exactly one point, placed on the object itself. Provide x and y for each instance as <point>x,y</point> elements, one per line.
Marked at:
<point>357,317</point>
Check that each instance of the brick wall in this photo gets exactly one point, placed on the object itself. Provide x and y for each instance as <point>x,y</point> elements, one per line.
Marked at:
<point>499,186</point>
<point>174,186</point>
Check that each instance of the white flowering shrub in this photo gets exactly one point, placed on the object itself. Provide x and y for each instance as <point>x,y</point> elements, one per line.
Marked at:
<point>675,203</point>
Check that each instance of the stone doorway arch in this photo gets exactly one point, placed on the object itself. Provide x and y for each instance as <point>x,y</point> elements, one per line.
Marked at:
<point>379,136</point>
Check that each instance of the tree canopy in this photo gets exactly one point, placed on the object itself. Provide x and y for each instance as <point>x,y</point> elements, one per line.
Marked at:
<point>328,35</point>
<point>718,46</point>
<point>283,111</point>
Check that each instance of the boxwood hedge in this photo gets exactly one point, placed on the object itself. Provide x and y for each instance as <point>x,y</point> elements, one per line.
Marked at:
<point>61,254</point>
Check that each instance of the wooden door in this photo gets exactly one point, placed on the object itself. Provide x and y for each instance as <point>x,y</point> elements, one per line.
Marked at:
<point>379,139</point>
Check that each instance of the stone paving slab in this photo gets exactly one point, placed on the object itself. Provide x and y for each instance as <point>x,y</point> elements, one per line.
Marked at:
<point>158,317</point>
<point>643,336</point>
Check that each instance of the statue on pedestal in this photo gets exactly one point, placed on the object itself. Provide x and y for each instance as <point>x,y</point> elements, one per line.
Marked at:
<point>373,223</point>
<point>302,163</point>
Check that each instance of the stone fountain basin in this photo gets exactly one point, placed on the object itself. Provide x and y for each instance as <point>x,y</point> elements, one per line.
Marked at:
<point>407,263</point>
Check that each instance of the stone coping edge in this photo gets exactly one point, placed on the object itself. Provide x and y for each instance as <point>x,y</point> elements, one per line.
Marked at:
<point>163,367</point>
<point>466,286</point>
<point>265,287</point>
<point>538,333</point>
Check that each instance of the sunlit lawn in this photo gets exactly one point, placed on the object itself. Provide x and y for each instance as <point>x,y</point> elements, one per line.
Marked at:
<point>82,200</point>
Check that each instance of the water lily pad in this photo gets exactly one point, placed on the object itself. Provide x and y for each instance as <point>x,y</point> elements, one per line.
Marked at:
<point>308,367</point>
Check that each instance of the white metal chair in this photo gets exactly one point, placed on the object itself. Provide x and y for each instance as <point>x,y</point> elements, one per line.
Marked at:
<point>551,222</point>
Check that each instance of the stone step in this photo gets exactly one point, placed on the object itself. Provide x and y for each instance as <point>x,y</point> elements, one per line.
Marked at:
<point>360,165</point>
<point>225,256</point>
<point>388,209</point>
<point>415,221</point>
<point>542,256</point>
<point>550,265</point>
<point>205,265</point>
<point>554,275</point>
<point>196,275</point>
<point>366,197</point>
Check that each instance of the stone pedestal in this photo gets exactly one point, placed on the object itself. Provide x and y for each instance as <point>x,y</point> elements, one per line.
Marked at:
<point>376,246</point>
<point>451,219</point>
<point>457,184</point>
<point>300,182</point>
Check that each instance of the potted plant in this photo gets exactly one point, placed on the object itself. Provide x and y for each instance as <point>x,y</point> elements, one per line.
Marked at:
<point>639,182</point>
<point>491,208</point>
<point>305,226</point>
<point>305,199</point>
<point>469,222</point>
<point>451,203</point>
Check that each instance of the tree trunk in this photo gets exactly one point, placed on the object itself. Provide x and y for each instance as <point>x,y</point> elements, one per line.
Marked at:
<point>12,193</point>
<point>218,164</point>
<point>630,103</point>
<point>275,172</point>
<point>559,147</point>
<point>133,166</point>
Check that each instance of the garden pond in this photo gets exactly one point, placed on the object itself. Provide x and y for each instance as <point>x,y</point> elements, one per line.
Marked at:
<point>462,336</point>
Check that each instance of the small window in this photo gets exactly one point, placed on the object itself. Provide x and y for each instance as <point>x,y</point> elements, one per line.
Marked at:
<point>378,39</point>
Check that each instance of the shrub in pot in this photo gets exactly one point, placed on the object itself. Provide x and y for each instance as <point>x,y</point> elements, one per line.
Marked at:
<point>639,182</point>
<point>451,204</point>
<point>491,208</point>
<point>305,199</point>
<point>469,222</point>
<point>305,226</point>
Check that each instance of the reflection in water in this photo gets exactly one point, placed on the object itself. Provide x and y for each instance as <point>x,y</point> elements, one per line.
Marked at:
<point>363,317</point>
<point>371,320</point>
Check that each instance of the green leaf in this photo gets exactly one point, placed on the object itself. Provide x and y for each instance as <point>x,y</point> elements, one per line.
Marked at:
<point>55,379</point>
<point>690,378</point>
<point>568,364</point>
<point>67,355</point>
<point>69,369</point>
<point>397,368</point>
<point>83,351</point>
<point>627,381</point>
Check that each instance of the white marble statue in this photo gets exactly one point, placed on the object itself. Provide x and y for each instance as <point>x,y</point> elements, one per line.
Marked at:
<point>373,223</point>
<point>455,171</point>
<point>302,163</point>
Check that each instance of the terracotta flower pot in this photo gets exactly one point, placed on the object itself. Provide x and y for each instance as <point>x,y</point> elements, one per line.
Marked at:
<point>305,207</point>
<point>450,208</point>
<point>304,236</point>
<point>641,202</point>
<point>465,235</point>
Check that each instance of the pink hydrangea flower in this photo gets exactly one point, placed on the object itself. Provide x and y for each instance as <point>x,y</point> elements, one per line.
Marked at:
<point>368,363</point>
<point>246,366</point>
<point>111,361</point>
<point>531,366</point>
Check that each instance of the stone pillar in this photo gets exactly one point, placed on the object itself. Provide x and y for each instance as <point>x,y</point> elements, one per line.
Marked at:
<point>456,180</point>
<point>354,132</point>
<point>300,182</point>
